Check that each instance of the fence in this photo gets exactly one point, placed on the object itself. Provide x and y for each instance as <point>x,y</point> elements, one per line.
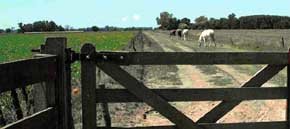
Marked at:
<point>136,91</point>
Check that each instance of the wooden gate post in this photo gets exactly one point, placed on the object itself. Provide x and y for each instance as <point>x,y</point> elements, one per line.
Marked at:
<point>58,93</point>
<point>88,80</point>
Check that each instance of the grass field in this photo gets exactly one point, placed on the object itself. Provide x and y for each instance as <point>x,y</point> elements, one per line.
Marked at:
<point>18,46</point>
<point>254,40</point>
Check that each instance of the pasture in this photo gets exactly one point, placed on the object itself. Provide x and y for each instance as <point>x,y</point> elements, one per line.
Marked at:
<point>18,46</point>
<point>253,40</point>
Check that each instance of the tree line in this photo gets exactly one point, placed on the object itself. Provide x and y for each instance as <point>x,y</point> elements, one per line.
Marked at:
<point>51,26</point>
<point>167,21</point>
<point>39,26</point>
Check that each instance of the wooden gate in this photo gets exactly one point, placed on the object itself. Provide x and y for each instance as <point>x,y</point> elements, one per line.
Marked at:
<point>136,91</point>
<point>51,69</point>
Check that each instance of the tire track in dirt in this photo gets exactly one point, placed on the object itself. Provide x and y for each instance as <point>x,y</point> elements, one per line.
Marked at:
<point>248,111</point>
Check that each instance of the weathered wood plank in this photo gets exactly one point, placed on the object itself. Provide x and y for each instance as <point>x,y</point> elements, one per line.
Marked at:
<point>204,94</point>
<point>39,90</point>
<point>40,120</point>
<point>256,125</point>
<point>61,89</point>
<point>143,93</point>
<point>258,80</point>
<point>25,72</point>
<point>88,80</point>
<point>194,58</point>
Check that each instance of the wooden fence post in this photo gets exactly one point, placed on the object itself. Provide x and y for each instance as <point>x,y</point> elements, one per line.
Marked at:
<point>282,42</point>
<point>58,92</point>
<point>88,80</point>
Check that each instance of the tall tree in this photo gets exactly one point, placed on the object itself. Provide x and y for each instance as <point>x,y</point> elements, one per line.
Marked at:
<point>233,21</point>
<point>224,23</point>
<point>202,22</point>
<point>183,26</point>
<point>95,28</point>
<point>185,21</point>
<point>173,23</point>
<point>164,20</point>
<point>20,25</point>
<point>51,26</point>
<point>8,30</point>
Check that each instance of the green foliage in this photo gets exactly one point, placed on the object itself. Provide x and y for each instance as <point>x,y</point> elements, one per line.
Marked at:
<point>8,30</point>
<point>168,22</point>
<point>264,22</point>
<point>201,22</point>
<point>40,26</point>
<point>233,22</point>
<point>185,21</point>
<point>183,26</point>
<point>95,28</point>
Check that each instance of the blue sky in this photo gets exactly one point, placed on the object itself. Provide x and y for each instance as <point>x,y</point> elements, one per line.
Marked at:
<point>124,13</point>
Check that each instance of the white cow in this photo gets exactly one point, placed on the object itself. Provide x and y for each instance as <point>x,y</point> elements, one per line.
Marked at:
<point>185,34</point>
<point>206,35</point>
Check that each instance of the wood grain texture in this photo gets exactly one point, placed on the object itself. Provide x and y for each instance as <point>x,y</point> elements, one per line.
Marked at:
<point>25,72</point>
<point>256,125</point>
<point>194,58</point>
<point>40,120</point>
<point>88,80</point>
<point>204,94</point>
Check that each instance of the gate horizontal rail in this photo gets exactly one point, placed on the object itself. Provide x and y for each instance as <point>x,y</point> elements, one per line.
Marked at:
<point>25,72</point>
<point>20,74</point>
<point>49,74</point>
<point>43,119</point>
<point>252,125</point>
<point>205,94</point>
<point>189,58</point>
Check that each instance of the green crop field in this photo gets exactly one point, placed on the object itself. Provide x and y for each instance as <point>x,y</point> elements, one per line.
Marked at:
<point>18,46</point>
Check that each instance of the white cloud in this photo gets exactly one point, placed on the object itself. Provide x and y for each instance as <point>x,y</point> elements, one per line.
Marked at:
<point>124,19</point>
<point>136,17</point>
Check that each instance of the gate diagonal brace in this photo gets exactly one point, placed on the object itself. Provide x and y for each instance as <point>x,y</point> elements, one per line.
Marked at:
<point>152,99</point>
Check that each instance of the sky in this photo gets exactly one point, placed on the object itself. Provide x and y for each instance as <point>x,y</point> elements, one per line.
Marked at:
<point>127,13</point>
